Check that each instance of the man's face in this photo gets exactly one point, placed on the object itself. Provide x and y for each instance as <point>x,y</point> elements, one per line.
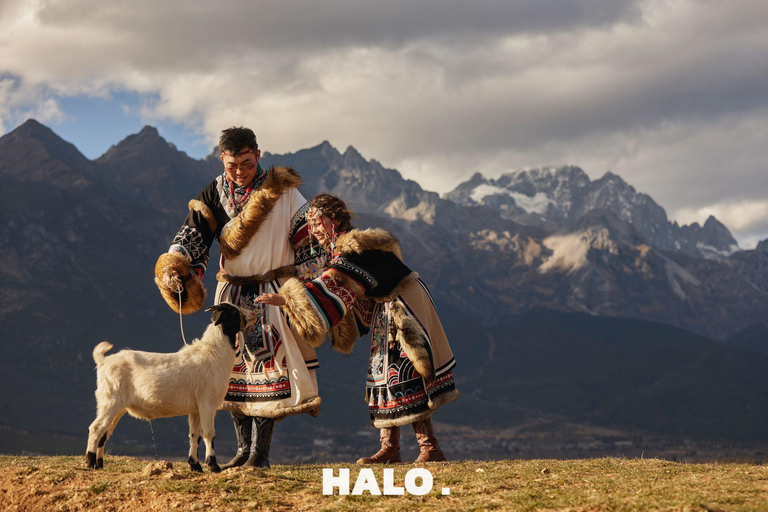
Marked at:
<point>241,168</point>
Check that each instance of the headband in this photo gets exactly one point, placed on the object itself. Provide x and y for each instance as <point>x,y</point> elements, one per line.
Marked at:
<point>243,152</point>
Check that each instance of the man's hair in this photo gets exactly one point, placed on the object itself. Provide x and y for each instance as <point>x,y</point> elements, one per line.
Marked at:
<point>335,209</point>
<point>237,138</point>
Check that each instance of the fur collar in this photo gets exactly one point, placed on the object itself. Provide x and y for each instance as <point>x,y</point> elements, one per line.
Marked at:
<point>357,241</point>
<point>242,228</point>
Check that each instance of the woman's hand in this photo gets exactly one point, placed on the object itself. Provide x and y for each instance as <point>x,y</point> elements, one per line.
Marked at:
<point>274,299</point>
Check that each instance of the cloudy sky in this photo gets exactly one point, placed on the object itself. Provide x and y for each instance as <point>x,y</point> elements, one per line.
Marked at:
<point>670,94</point>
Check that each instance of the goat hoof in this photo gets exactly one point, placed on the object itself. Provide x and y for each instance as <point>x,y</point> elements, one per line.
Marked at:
<point>196,467</point>
<point>90,460</point>
<point>99,463</point>
<point>212,464</point>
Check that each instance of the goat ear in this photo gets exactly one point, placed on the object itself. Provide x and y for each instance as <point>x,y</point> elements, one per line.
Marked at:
<point>216,315</point>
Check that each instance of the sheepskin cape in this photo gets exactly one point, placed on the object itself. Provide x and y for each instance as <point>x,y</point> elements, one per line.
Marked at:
<point>368,289</point>
<point>274,371</point>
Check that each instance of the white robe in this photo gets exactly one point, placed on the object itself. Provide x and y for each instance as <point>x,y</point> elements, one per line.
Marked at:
<point>283,381</point>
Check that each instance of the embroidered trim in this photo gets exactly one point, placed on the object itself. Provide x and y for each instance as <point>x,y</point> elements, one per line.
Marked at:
<point>189,243</point>
<point>346,264</point>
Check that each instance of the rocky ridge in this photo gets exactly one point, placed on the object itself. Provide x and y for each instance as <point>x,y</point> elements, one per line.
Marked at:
<point>557,197</point>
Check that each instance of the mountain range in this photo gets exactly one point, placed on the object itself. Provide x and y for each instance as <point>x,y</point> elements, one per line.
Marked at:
<point>552,238</point>
<point>561,295</point>
<point>557,197</point>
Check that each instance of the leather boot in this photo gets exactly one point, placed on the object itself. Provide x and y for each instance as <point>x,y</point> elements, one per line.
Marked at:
<point>261,442</point>
<point>428,446</point>
<point>243,427</point>
<point>390,448</point>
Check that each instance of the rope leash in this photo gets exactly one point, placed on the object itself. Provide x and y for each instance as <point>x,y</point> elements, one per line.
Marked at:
<point>181,322</point>
<point>177,287</point>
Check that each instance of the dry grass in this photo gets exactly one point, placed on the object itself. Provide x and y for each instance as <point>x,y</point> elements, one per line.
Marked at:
<point>63,483</point>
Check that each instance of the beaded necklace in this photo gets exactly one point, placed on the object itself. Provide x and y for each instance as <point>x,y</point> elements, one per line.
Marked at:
<point>236,204</point>
<point>234,190</point>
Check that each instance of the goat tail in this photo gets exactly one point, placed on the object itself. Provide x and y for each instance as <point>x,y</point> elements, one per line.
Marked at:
<point>101,349</point>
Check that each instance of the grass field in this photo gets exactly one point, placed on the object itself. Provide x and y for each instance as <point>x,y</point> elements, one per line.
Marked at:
<point>63,483</point>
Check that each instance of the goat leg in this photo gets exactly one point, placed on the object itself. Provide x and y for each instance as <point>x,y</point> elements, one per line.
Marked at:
<point>207,417</point>
<point>194,443</point>
<point>105,422</point>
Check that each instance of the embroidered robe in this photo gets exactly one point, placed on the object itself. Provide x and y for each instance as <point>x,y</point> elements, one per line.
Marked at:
<point>274,371</point>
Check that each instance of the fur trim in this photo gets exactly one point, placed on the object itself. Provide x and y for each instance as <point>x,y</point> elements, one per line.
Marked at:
<point>439,400</point>
<point>243,227</point>
<point>397,290</point>
<point>302,315</point>
<point>199,206</point>
<point>192,296</point>
<point>413,342</point>
<point>273,409</point>
<point>344,334</point>
<point>376,239</point>
<point>285,271</point>
<point>403,420</point>
<point>449,396</point>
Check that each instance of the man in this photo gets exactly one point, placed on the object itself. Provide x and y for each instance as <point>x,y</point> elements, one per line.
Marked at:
<point>258,216</point>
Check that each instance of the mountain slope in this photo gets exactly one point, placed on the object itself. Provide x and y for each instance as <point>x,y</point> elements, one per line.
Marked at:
<point>149,169</point>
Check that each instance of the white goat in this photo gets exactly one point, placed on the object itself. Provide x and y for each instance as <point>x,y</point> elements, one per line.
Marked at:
<point>149,385</point>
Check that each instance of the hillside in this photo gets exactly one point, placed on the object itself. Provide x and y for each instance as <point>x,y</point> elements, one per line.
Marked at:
<point>61,483</point>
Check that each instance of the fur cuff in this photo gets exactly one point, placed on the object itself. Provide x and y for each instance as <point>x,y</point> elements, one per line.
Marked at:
<point>302,315</point>
<point>243,227</point>
<point>413,342</point>
<point>199,206</point>
<point>377,239</point>
<point>192,296</point>
<point>344,335</point>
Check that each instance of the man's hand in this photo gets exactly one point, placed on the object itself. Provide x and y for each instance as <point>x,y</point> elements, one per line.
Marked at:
<point>274,299</point>
<point>172,281</point>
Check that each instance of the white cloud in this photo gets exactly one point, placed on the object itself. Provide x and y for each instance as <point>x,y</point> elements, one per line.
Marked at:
<point>668,94</point>
<point>19,101</point>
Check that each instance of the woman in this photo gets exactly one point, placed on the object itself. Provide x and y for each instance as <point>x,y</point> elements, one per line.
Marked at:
<point>365,287</point>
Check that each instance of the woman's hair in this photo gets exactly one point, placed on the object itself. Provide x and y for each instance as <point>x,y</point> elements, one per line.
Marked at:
<point>334,208</point>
